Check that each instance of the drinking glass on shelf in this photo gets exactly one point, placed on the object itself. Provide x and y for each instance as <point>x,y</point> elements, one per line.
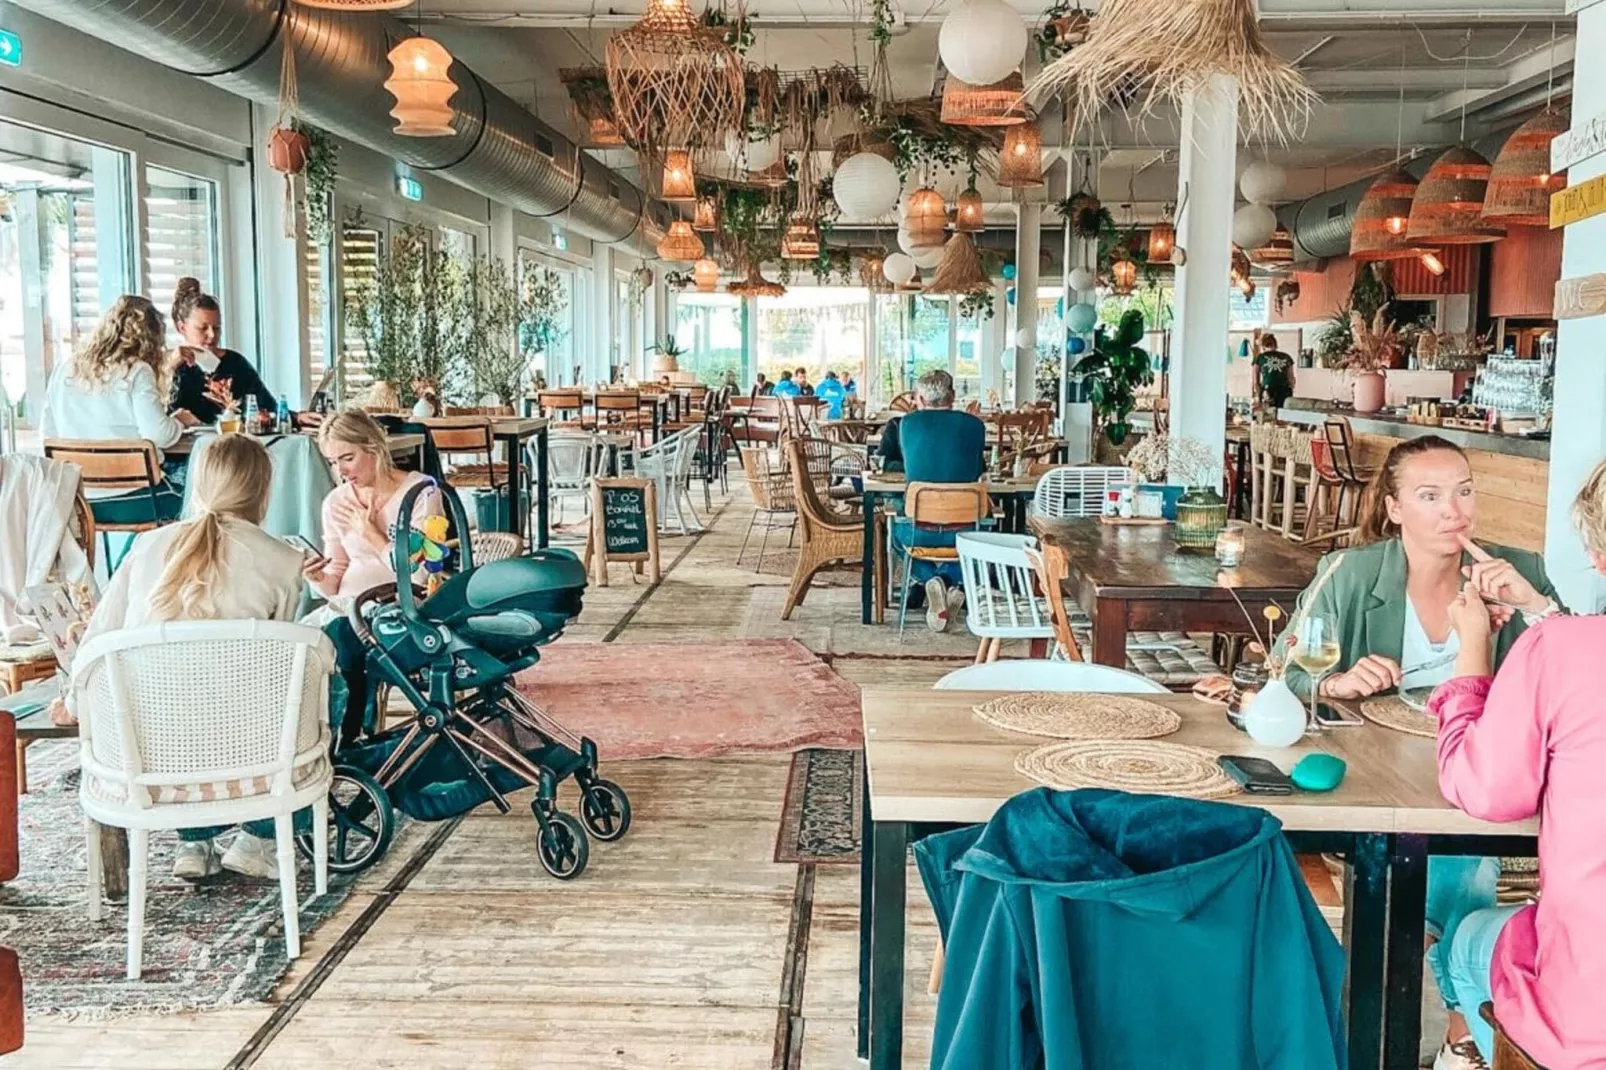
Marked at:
<point>1316,650</point>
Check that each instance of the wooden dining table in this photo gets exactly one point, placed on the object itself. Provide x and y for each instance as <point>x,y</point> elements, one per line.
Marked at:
<point>930,765</point>
<point>1136,578</point>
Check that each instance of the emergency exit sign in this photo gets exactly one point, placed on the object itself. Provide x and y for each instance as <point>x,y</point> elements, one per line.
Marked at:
<point>10,49</point>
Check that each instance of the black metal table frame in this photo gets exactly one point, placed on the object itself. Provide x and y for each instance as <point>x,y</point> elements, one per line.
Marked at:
<point>514,446</point>
<point>1385,897</point>
<point>1016,503</point>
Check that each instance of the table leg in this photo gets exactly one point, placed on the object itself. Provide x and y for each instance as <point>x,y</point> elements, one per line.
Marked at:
<point>657,422</point>
<point>1402,1004</point>
<point>543,518</point>
<point>114,863</point>
<point>1365,928</point>
<point>867,580</point>
<point>887,908</point>
<point>515,515</point>
<point>1109,632</point>
<point>866,887</point>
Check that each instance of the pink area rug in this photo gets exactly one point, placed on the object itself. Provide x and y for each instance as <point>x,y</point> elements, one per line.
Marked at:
<point>696,700</point>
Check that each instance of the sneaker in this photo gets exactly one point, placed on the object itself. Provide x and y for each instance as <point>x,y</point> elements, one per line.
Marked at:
<point>196,860</point>
<point>956,602</point>
<point>252,856</point>
<point>937,604</point>
<point>1461,1055</point>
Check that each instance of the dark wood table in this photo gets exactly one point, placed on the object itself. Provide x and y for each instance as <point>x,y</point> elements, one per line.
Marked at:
<point>1136,578</point>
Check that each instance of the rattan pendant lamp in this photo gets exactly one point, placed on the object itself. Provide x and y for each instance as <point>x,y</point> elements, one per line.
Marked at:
<point>1448,206</point>
<point>356,5</point>
<point>1020,162</point>
<point>1520,182</point>
<point>1382,219</point>
<point>999,104</point>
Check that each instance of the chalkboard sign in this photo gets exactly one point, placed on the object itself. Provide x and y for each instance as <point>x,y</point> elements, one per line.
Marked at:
<point>623,526</point>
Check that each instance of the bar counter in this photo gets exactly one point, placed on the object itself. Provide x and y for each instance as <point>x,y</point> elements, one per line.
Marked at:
<point>1398,427</point>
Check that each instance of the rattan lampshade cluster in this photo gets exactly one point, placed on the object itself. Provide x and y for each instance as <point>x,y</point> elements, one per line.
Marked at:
<point>1277,252</point>
<point>925,217</point>
<point>1448,206</point>
<point>680,182</point>
<point>1162,240</point>
<point>1382,220</point>
<point>1520,182</point>
<point>706,217</point>
<point>999,104</point>
<point>673,80</point>
<point>1020,162</point>
<point>755,285</point>
<point>801,241</point>
<point>680,242</point>
<point>705,273</point>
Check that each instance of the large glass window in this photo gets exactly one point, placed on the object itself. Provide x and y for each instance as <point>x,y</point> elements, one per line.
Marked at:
<point>360,246</point>
<point>817,328</point>
<point>709,328</point>
<point>968,355</point>
<point>911,339</point>
<point>556,361</point>
<point>180,235</point>
<point>65,252</point>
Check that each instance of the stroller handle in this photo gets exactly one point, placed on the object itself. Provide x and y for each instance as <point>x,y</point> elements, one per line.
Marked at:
<point>401,537</point>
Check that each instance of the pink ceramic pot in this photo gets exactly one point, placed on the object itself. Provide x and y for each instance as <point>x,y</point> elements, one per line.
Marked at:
<point>1369,391</point>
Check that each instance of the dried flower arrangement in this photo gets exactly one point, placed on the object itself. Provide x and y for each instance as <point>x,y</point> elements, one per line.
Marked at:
<point>1374,346</point>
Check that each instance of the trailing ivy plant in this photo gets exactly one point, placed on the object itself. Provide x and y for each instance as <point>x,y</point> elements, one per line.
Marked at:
<point>738,34</point>
<point>881,22</point>
<point>323,162</point>
<point>977,306</point>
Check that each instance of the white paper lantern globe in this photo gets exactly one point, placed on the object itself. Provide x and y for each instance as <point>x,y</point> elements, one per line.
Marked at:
<point>752,155</point>
<point>1252,226</point>
<point>1024,338</point>
<point>866,186</point>
<point>1263,182</point>
<point>928,256</point>
<point>982,41</point>
<point>898,268</point>
<point>1082,280</point>
<point>1081,318</point>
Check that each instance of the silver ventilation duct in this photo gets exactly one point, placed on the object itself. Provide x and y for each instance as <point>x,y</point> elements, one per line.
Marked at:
<point>500,150</point>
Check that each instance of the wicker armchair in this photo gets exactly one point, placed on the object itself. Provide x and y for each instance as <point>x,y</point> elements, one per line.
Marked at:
<point>773,500</point>
<point>828,539</point>
<point>828,462</point>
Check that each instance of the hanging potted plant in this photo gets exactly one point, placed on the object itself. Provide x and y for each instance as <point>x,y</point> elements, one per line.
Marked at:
<point>1114,370</point>
<point>288,147</point>
<point>1373,349</point>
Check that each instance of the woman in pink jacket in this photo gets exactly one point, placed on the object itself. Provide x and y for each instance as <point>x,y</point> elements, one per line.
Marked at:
<point>1533,740</point>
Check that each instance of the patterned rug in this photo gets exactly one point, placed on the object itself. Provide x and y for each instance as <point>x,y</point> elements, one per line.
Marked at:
<point>695,700</point>
<point>820,818</point>
<point>211,944</point>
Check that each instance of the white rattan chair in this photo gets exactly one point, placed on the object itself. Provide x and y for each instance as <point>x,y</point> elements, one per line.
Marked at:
<point>1041,675</point>
<point>571,462</point>
<point>1077,490</point>
<point>199,723</point>
<point>1001,599</point>
<point>668,463</point>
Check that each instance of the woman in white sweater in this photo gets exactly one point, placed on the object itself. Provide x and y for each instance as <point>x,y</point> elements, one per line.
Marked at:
<point>217,565</point>
<point>116,387</point>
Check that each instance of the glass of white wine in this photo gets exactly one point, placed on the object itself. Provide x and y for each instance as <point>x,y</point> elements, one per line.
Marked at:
<point>1316,650</point>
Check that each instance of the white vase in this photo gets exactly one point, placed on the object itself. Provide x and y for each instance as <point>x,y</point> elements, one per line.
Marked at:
<point>1276,717</point>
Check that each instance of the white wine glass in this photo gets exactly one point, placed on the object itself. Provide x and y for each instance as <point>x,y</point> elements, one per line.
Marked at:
<point>1316,650</point>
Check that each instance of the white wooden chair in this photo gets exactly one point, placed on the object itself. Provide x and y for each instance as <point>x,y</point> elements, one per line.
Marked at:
<point>1001,599</point>
<point>668,463</point>
<point>199,723</point>
<point>1044,675</point>
<point>572,461</point>
<point>1077,490</point>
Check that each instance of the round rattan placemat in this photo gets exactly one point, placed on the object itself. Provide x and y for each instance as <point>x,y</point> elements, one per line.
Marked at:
<point>1137,765</point>
<point>1390,711</point>
<point>1060,715</point>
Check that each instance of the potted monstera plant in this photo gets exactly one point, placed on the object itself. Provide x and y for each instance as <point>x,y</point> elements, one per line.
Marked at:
<point>1114,371</point>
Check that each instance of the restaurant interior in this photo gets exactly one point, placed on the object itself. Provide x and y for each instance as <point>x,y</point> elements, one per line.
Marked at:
<point>972,535</point>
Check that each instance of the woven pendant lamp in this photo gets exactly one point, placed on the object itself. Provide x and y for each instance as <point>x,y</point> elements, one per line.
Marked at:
<point>959,271</point>
<point>1448,206</point>
<point>705,273</point>
<point>604,134</point>
<point>970,213</point>
<point>674,80</point>
<point>1382,220</point>
<point>925,217</point>
<point>357,5</point>
<point>1520,183</point>
<point>681,243</point>
<point>680,181</point>
<point>706,217</point>
<point>1020,162</point>
<point>755,285</point>
<point>1277,252</point>
<point>423,87</point>
<point>801,241</point>
<point>872,275</point>
<point>1123,273</point>
<point>999,104</point>
<point>1162,240</point>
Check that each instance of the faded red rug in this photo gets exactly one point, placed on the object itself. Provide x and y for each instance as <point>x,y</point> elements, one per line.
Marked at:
<point>696,700</point>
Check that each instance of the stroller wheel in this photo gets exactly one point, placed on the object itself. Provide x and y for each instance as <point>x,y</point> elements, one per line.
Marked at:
<point>564,847</point>
<point>361,822</point>
<point>606,810</point>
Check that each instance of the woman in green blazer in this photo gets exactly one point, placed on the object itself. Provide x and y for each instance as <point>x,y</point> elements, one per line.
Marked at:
<point>1390,598</point>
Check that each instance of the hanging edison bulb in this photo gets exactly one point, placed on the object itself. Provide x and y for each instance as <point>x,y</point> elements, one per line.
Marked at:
<point>1162,239</point>
<point>706,217</point>
<point>1020,161</point>
<point>680,183</point>
<point>705,273</point>
<point>422,85</point>
<point>969,212</point>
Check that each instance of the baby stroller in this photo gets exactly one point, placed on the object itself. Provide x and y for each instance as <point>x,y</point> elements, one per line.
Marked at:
<point>474,738</point>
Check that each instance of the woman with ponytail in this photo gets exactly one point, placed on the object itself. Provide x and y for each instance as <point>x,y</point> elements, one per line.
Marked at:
<point>1392,597</point>
<point>215,565</point>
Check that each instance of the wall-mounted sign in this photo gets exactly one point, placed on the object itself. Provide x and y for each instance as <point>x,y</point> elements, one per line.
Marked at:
<point>1575,6</point>
<point>10,49</point>
<point>410,187</point>
<point>1578,202</point>
<point>1585,139</point>
<point>1580,297</point>
<point>560,240</point>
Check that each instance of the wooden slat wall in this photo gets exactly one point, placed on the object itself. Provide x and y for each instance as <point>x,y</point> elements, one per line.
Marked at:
<point>1511,492</point>
<point>1523,272</point>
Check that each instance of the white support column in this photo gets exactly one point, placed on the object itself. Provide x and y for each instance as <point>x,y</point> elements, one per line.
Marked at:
<point>603,329</point>
<point>994,333</point>
<point>1205,182</point>
<point>1578,435</point>
<point>278,339</point>
<point>1076,425</point>
<point>1028,247</point>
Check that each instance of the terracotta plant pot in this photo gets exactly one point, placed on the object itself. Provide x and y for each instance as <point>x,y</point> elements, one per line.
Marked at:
<point>1369,391</point>
<point>287,150</point>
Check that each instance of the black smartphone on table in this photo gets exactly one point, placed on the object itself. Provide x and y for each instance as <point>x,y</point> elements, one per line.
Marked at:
<point>1337,716</point>
<point>1256,775</point>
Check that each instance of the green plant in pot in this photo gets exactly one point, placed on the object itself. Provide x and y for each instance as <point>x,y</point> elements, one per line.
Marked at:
<point>669,354</point>
<point>1114,371</point>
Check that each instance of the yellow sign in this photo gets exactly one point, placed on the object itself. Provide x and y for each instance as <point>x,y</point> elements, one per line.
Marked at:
<point>1578,202</point>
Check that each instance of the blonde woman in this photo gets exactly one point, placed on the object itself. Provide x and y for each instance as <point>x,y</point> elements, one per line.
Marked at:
<point>116,387</point>
<point>216,565</point>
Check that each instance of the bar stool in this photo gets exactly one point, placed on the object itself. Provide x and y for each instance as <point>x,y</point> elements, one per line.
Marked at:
<point>1335,494</point>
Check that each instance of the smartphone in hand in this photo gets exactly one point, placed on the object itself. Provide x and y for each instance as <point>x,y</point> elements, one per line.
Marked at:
<point>306,548</point>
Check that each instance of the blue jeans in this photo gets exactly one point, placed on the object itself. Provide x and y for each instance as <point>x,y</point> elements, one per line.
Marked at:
<point>262,830</point>
<point>1470,958</point>
<point>905,534</point>
<point>1457,886</point>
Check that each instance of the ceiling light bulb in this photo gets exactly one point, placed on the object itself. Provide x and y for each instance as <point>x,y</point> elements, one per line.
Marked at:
<point>1396,224</point>
<point>1433,263</point>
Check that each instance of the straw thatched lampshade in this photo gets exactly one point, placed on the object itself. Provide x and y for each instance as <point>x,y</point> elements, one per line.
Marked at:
<point>925,217</point>
<point>1520,183</point>
<point>1278,251</point>
<point>1448,206</point>
<point>705,273</point>
<point>959,271</point>
<point>970,213</point>
<point>801,241</point>
<point>999,104</point>
<point>1020,162</point>
<point>681,243</point>
<point>706,217</point>
<point>1382,219</point>
<point>1162,240</point>
<point>680,182</point>
<point>755,285</point>
<point>422,87</point>
<point>1123,274</point>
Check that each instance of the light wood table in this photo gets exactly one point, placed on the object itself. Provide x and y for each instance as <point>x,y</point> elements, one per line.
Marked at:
<point>932,765</point>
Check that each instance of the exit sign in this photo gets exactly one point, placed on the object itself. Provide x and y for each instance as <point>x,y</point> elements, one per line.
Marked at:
<point>10,49</point>
<point>410,188</point>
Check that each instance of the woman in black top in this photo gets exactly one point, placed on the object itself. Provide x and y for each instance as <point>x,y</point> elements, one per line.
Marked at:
<point>208,376</point>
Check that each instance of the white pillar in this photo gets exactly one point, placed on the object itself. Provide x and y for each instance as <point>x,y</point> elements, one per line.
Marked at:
<point>1028,247</point>
<point>1076,424</point>
<point>1205,186</point>
<point>275,336</point>
<point>603,320</point>
<point>1578,435</point>
<point>993,341</point>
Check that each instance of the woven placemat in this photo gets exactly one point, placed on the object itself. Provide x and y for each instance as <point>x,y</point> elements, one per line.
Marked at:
<point>1136,765</point>
<point>1390,711</point>
<point>1073,716</point>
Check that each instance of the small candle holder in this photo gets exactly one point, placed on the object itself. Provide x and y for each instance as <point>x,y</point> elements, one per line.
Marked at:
<point>1230,546</point>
